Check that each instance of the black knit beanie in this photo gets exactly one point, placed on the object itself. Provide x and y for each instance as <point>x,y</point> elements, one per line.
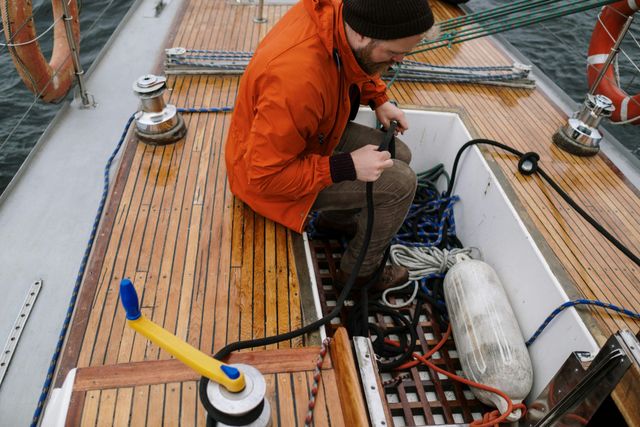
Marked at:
<point>388,19</point>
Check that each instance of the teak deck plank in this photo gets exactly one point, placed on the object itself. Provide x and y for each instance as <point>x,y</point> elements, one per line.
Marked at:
<point>487,109</point>
<point>172,393</point>
<point>124,398</point>
<point>139,406</point>
<point>106,407</point>
<point>90,408</point>
<point>209,269</point>
<point>155,416</point>
<point>286,402</point>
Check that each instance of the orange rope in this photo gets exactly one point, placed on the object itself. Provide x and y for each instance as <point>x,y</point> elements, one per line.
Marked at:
<point>489,419</point>
<point>431,352</point>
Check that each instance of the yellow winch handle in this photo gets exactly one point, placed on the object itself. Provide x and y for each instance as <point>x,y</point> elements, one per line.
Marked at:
<point>228,376</point>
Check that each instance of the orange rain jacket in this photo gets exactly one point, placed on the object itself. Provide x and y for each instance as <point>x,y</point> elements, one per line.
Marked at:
<point>292,108</point>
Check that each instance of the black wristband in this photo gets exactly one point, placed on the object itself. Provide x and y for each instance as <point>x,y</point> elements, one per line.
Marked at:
<point>342,167</point>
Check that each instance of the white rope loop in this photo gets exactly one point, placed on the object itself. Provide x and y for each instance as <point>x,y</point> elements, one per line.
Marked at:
<point>422,262</point>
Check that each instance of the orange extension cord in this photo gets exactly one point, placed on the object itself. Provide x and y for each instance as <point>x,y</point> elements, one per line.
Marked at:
<point>493,418</point>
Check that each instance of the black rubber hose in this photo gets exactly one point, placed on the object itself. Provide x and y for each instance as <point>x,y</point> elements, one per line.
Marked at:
<point>259,342</point>
<point>534,167</point>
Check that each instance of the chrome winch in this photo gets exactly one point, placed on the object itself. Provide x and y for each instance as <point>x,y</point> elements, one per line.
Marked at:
<point>580,136</point>
<point>157,123</point>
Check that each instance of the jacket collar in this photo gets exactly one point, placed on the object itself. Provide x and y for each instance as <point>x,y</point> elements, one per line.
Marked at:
<point>327,15</point>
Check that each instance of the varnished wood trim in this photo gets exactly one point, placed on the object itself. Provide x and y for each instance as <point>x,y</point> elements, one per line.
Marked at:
<point>627,396</point>
<point>353,407</point>
<point>76,406</point>
<point>165,371</point>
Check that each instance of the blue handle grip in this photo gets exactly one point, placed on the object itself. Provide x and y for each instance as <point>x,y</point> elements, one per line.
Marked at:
<point>230,372</point>
<point>129,299</point>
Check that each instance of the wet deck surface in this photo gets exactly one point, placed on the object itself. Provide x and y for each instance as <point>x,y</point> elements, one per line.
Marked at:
<point>213,272</point>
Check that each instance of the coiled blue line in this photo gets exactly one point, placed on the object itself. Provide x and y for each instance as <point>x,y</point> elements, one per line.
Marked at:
<point>85,258</point>
<point>569,304</point>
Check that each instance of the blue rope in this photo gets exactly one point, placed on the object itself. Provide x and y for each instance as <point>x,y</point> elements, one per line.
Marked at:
<point>568,304</point>
<point>423,226</point>
<point>206,110</point>
<point>76,288</point>
<point>424,286</point>
<point>85,258</point>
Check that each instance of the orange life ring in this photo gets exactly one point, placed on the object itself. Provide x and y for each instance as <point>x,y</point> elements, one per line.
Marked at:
<point>610,23</point>
<point>49,80</point>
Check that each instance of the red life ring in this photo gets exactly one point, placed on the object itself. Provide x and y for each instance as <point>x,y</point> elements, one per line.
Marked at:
<point>49,80</point>
<point>610,23</point>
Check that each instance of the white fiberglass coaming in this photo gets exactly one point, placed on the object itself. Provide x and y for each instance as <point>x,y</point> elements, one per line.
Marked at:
<point>486,219</point>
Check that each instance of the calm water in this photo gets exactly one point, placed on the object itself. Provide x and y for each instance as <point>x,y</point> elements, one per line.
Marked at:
<point>558,47</point>
<point>98,19</point>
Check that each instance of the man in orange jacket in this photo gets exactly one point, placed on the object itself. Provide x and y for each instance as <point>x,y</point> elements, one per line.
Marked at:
<point>291,147</point>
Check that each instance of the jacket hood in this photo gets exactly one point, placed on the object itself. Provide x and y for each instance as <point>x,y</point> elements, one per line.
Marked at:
<point>324,15</point>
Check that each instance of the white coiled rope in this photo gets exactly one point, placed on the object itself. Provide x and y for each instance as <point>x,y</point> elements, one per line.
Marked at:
<point>422,262</point>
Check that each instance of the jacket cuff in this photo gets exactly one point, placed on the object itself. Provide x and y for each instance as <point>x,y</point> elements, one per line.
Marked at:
<point>378,101</point>
<point>342,167</point>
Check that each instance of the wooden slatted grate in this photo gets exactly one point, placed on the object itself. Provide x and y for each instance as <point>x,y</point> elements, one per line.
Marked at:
<point>419,396</point>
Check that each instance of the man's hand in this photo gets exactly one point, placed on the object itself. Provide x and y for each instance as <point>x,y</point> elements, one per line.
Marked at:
<point>369,162</point>
<point>387,112</point>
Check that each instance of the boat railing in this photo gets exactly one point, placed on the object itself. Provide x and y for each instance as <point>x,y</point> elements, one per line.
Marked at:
<point>18,124</point>
<point>626,71</point>
<point>523,13</point>
<point>626,80</point>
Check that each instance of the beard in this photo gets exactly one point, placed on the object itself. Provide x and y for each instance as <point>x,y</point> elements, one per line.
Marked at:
<point>363,56</point>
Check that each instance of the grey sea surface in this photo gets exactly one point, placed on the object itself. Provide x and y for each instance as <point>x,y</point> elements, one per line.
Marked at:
<point>558,47</point>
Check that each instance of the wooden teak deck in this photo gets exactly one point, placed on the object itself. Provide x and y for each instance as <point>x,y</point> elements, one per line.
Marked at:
<point>155,393</point>
<point>210,270</point>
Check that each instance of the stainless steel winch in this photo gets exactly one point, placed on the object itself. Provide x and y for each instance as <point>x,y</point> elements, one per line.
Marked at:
<point>580,135</point>
<point>157,123</point>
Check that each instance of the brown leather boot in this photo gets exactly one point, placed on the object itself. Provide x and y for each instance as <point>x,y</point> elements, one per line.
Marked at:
<point>330,227</point>
<point>391,276</point>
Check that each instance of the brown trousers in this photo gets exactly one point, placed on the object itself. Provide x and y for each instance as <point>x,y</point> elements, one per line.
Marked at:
<point>392,196</point>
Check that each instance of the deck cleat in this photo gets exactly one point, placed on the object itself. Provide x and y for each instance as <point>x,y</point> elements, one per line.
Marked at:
<point>580,136</point>
<point>245,408</point>
<point>157,123</point>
